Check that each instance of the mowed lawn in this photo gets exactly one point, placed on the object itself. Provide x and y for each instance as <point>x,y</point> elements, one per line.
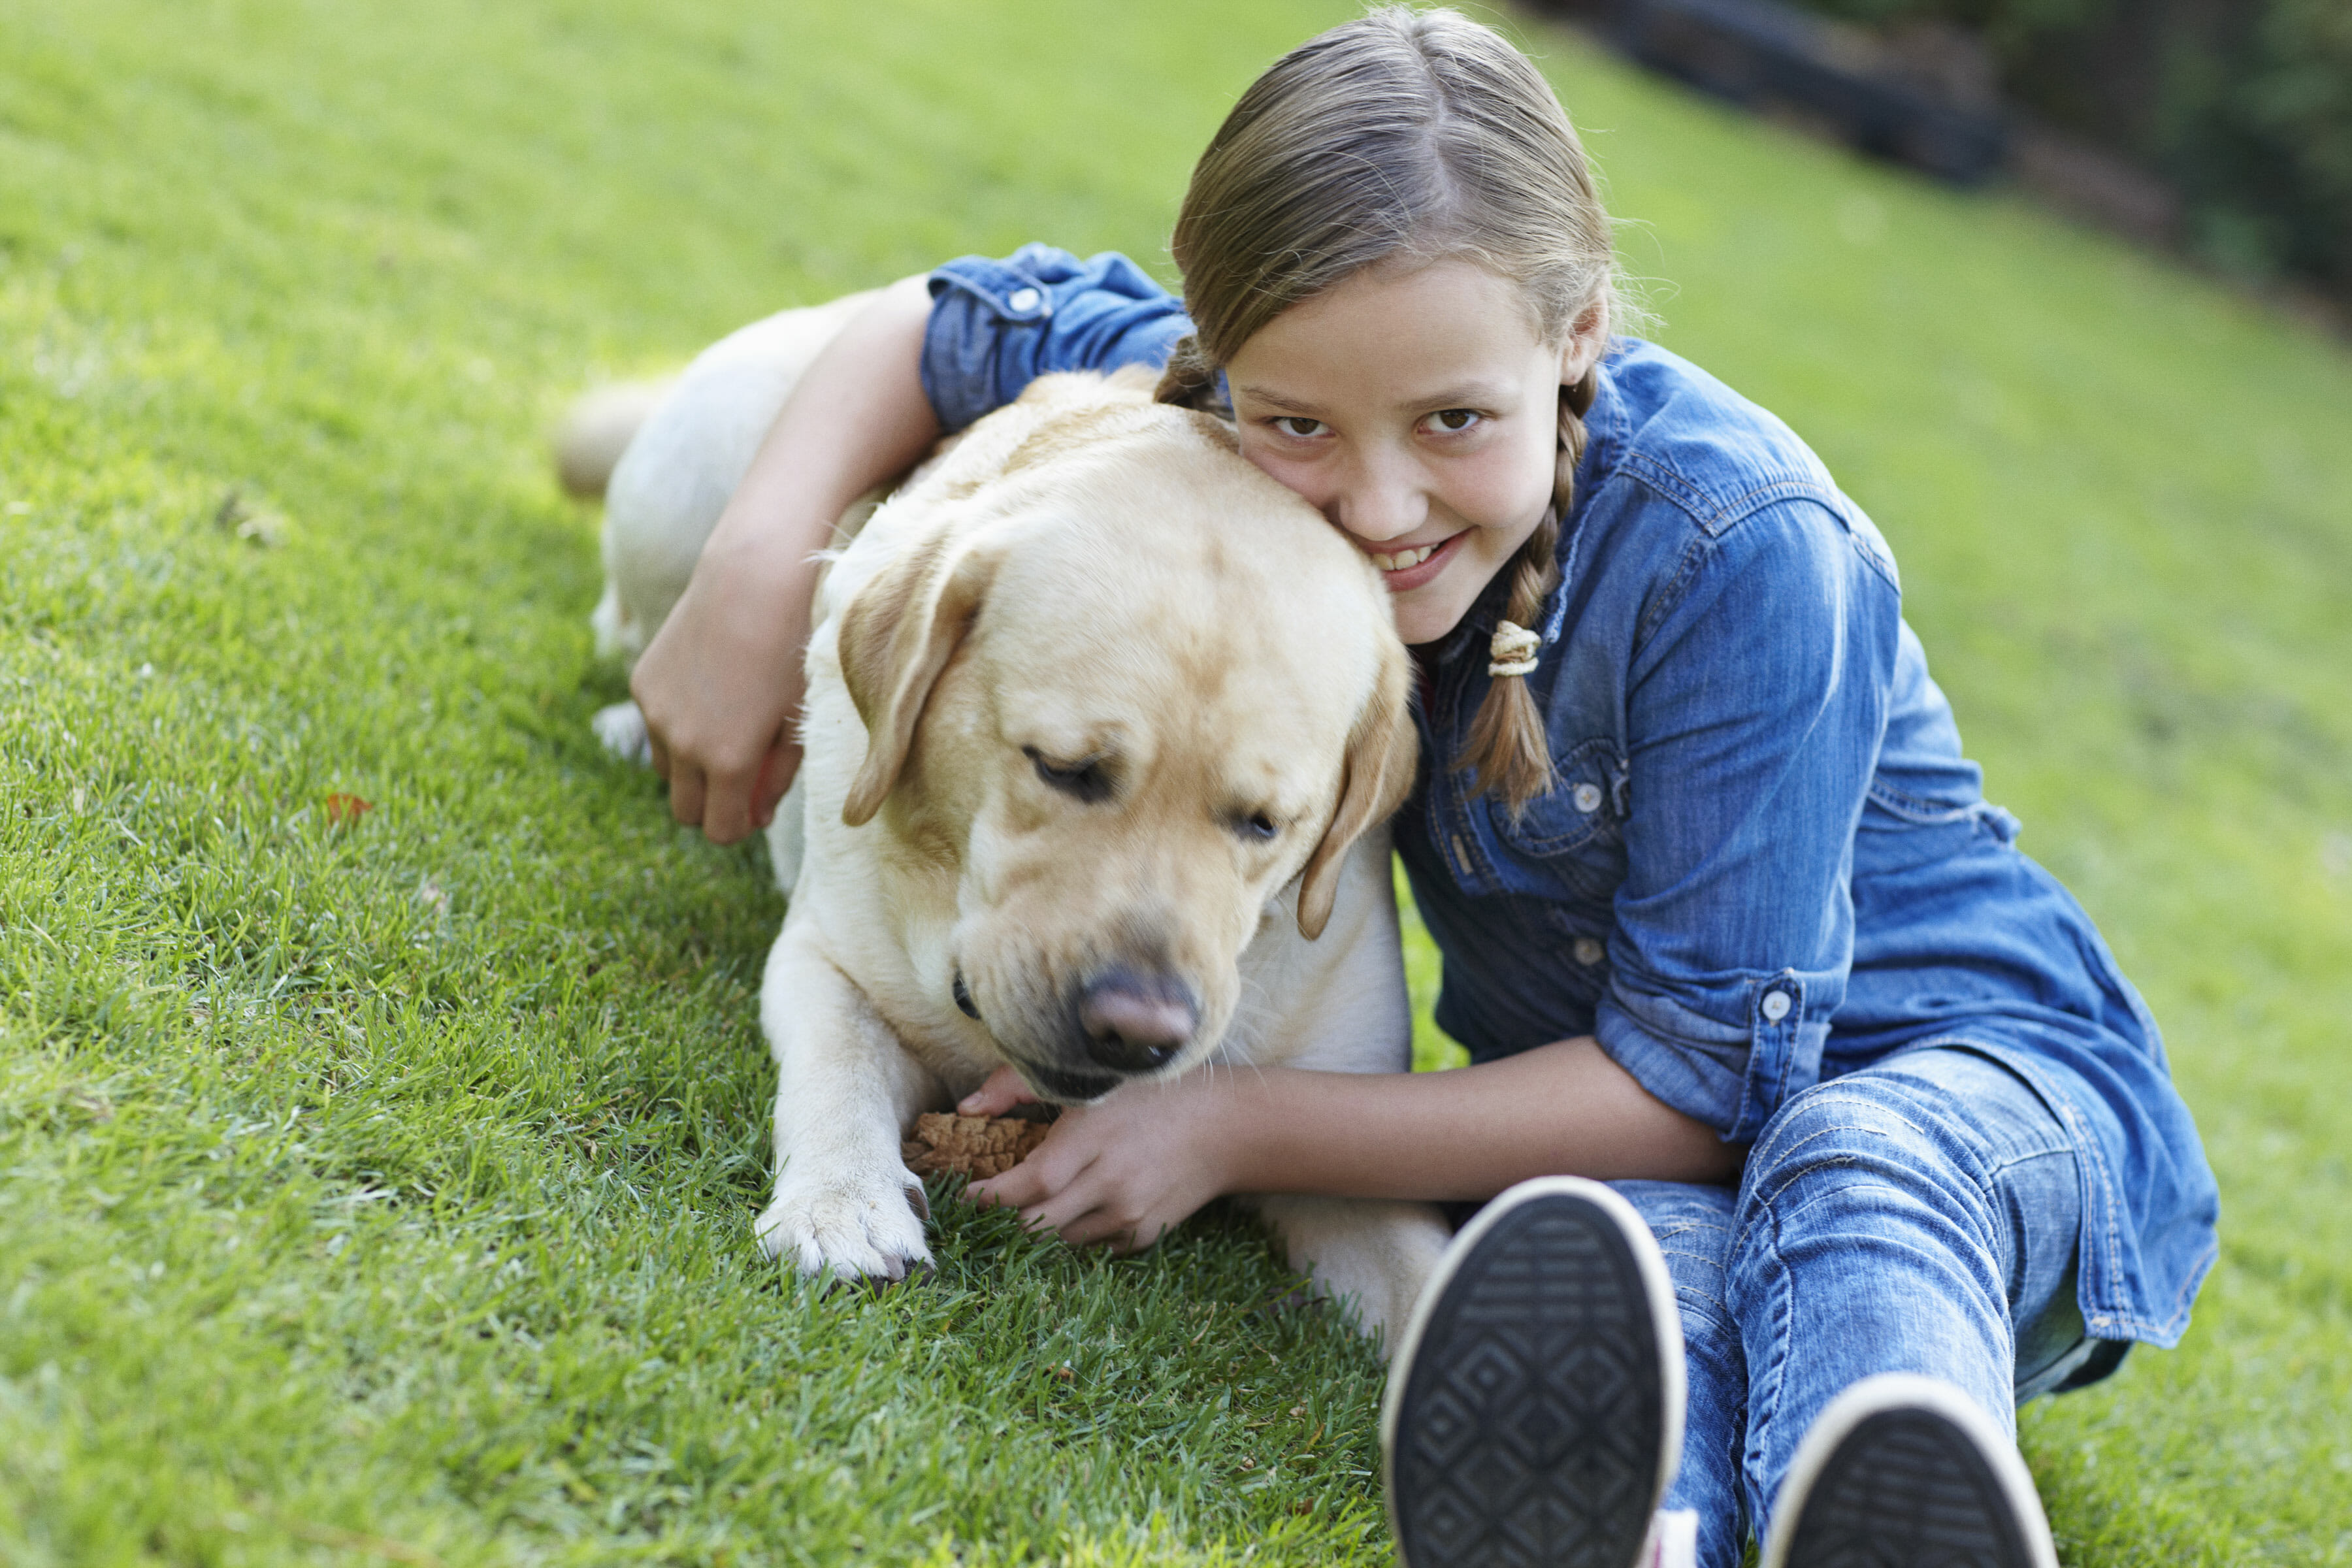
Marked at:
<point>376,1185</point>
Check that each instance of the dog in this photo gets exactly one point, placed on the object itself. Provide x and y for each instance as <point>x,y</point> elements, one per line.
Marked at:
<point>1102,730</point>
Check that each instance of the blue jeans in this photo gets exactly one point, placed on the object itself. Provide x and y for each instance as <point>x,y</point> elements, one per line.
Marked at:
<point>1920,1215</point>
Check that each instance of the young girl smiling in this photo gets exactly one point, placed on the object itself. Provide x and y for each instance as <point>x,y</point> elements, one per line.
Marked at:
<point>1727,924</point>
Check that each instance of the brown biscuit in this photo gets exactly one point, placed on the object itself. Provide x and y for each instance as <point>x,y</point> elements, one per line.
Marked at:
<point>974,1146</point>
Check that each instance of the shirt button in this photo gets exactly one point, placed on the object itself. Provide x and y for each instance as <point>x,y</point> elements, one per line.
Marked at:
<point>1024,299</point>
<point>1589,950</point>
<point>1776,1006</point>
<point>1587,798</point>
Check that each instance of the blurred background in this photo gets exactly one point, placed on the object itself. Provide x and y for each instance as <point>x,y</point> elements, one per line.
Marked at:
<point>2219,130</point>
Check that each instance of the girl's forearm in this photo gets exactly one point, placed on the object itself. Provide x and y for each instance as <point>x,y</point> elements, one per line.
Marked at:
<point>721,678</point>
<point>857,418</point>
<point>1565,1109</point>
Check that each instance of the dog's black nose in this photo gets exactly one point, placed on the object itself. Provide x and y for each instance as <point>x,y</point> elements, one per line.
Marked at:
<point>1134,1022</point>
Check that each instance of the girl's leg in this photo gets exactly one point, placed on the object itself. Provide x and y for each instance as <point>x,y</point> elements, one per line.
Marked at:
<point>1921,1216</point>
<point>1693,1226</point>
<point>1534,1405</point>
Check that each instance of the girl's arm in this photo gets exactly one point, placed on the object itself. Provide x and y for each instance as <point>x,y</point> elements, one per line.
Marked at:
<point>722,678</point>
<point>1126,1169</point>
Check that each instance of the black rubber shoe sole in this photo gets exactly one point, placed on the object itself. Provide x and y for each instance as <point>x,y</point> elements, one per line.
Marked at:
<point>1535,1404</point>
<point>1906,1472</point>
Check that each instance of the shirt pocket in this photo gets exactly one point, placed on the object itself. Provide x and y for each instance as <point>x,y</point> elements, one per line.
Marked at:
<point>1569,841</point>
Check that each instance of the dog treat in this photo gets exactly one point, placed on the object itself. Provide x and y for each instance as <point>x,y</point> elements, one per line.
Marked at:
<point>974,1146</point>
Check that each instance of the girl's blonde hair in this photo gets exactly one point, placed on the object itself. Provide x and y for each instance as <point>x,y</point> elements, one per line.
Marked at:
<point>1409,136</point>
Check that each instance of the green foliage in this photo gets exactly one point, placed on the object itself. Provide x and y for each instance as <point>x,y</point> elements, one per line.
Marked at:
<point>2261,140</point>
<point>2246,108</point>
<point>379,1190</point>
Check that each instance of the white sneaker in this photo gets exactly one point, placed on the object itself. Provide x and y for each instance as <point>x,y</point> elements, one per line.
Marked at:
<point>1534,1414</point>
<point>1907,1472</point>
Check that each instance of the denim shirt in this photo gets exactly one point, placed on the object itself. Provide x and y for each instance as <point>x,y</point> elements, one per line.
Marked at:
<point>995,326</point>
<point>1765,860</point>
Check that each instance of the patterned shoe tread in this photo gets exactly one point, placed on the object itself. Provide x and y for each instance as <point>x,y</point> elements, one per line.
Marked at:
<point>1528,1432</point>
<point>1907,1489</point>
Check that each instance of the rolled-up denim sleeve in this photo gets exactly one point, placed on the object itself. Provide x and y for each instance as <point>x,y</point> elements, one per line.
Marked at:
<point>1758,698</point>
<point>995,326</point>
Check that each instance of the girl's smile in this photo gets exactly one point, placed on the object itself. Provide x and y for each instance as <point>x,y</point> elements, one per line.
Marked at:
<point>1406,569</point>
<point>1420,411</point>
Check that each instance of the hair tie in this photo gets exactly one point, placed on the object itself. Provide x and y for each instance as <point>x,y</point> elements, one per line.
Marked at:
<point>1512,649</point>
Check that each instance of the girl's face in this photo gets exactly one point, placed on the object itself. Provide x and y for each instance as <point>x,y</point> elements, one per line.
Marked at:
<point>1421,412</point>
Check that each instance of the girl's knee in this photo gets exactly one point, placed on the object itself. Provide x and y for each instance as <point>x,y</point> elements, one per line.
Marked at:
<point>1854,1128</point>
<point>1865,1157</point>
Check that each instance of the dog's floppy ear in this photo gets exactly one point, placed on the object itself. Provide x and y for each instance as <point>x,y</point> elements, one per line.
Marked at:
<point>897,635</point>
<point>1376,776</point>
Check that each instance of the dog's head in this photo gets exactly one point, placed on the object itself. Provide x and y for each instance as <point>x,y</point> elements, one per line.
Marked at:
<point>1129,690</point>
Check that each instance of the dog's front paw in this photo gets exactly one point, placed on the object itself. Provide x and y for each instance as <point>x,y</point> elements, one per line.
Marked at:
<point>855,1224</point>
<point>622,729</point>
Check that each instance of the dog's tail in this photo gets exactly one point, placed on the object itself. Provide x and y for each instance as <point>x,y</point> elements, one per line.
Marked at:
<point>594,431</point>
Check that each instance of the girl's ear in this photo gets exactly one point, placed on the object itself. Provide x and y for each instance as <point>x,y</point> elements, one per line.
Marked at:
<point>1376,776</point>
<point>1587,341</point>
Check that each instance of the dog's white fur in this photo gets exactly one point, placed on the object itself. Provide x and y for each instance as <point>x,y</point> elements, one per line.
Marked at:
<point>1057,567</point>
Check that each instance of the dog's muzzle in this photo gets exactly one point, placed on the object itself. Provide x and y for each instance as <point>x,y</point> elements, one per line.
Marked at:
<point>1134,1022</point>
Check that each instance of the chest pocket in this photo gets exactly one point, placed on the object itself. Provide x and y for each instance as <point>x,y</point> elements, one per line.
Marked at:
<point>1569,843</point>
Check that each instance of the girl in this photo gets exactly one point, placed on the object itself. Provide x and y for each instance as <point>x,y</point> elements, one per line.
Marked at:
<point>1726,922</point>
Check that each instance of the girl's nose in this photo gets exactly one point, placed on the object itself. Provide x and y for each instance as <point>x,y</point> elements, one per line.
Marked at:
<point>1380,502</point>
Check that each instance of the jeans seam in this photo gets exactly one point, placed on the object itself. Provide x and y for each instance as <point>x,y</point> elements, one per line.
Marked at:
<point>1722,1308</point>
<point>1700,1257</point>
<point>1780,1311</point>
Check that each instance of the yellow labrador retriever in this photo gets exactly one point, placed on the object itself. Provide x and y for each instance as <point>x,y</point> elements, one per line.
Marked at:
<point>1102,728</point>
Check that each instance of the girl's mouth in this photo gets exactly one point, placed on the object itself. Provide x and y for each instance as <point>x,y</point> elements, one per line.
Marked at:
<point>1405,570</point>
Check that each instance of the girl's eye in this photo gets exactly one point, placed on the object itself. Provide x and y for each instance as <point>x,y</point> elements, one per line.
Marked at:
<point>1298,426</point>
<point>1452,421</point>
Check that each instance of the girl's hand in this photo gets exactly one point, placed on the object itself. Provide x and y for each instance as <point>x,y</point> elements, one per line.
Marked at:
<point>1121,1171</point>
<point>721,681</point>
<point>1001,1093</point>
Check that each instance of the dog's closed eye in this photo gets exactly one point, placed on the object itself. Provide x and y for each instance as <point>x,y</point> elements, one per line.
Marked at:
<point>1087,781</point>
<point>1257,825</point>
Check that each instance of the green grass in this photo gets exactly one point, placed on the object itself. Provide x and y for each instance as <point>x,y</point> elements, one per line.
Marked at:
<point>379,1191</point>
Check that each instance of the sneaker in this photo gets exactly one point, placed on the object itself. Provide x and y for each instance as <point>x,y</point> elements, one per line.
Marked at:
<point>1534,1411</point>
<point>1906,1472</point>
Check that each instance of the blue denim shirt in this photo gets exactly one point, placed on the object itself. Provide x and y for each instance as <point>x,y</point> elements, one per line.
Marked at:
<point>995,326</point>
<point>1765,861</point>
